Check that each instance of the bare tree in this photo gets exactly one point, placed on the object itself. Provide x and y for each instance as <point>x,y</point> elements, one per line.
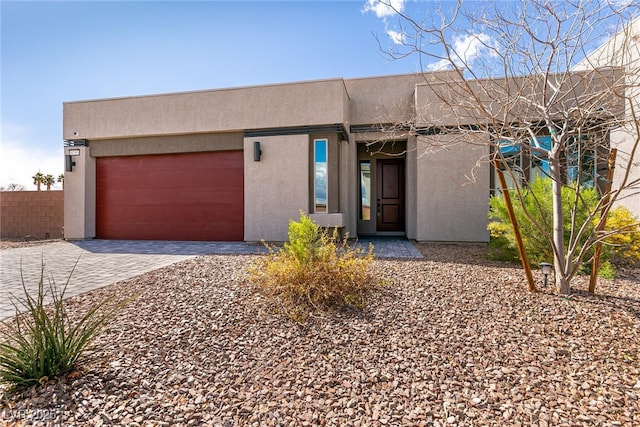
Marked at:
<point>13,187</point>
<point>520,83</point>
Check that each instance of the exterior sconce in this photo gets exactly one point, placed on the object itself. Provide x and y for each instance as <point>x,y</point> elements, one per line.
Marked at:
<point>68,159</point>
<point>68,163</point>
<point>546,270</point>
<point>256,151</point>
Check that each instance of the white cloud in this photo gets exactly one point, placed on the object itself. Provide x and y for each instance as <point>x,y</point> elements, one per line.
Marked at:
<point>20,160</point>
<point>621,4</point>
<point>472,46</point>
<point>466,49</point>
<point>441,65</point>
<point>385,8</point>
<point>396,37</point>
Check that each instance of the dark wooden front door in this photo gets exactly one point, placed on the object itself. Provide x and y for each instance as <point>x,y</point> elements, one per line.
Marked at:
<point>390,195</point>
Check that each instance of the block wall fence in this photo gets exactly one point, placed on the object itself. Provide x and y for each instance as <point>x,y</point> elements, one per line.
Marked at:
<point>31,214</point>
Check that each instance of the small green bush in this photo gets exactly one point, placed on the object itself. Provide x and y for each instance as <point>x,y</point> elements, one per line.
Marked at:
<point>621,247</point>
<point>43,342</point>
<point>316,270</point>
<point>538,202</point>
<point>607,271</point>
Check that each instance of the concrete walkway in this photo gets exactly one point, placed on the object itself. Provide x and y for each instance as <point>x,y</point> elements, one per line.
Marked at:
<point>103,262</point>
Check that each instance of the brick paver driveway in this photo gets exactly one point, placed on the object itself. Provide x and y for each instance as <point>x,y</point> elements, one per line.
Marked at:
<point>103,262</point>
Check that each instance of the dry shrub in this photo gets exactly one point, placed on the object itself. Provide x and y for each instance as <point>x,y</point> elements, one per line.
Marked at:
<point>315,270</point>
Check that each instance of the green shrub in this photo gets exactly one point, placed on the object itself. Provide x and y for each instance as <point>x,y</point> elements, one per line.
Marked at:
<point>500,249</point>
<point>607,271</point>
<point>623,247</point>
<point>538,202</point>
<point>316,270</point>
<point>43,342</point>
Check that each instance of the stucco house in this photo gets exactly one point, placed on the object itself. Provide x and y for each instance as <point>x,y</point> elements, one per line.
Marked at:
<point>239,163</point>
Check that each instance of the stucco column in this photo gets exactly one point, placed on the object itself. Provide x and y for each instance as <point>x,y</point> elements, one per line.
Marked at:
<point>80,195</point>
<point>411,196</point>
<point>276,187</point>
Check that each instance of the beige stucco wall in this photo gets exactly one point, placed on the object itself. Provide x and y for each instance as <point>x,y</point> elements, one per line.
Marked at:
<point>452,102</point>
<point>349,186</point>
<point>167,144</point>
<point>276,187</point>
<point>449,207</point>
<point>386,99</point>
<point>624,140</point>
<point>220,110</point>
<point>80,196</point>
<point>411,189</point>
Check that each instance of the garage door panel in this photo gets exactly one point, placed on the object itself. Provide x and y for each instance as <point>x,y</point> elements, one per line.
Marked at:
<point>178,231</point>
<point>162,179</point>
<point>194,196</point>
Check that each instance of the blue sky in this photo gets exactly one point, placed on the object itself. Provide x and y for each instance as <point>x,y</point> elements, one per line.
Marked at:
<point>57,51</point>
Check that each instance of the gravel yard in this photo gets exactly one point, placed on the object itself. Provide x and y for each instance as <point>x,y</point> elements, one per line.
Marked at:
<point>451,340</point>
<point>20,243</point>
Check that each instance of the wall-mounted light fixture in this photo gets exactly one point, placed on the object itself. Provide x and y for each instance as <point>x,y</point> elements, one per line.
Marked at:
<point>68,163</point>
<point>256,151</point>
<point>68,159</point>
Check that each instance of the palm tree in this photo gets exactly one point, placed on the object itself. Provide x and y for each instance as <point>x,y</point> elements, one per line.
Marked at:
<point>48,180</point>
<point>61,180</point>
<point>38,179</point>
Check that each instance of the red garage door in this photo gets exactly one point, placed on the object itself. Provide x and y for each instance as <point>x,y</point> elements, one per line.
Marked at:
<point>193,196</point>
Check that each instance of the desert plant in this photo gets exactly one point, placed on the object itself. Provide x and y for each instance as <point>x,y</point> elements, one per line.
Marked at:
<point>315,270</point>
<point>43,342</point>
<point>537,206</point>
<point>623,244</point>
<point>607,271</point>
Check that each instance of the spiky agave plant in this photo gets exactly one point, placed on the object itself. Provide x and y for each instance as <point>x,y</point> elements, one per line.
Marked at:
<point>43,342</point>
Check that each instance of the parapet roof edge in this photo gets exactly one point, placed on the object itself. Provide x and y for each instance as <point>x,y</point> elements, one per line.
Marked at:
<point>523,76</point>
<point>187,92</point>
<point>153,95</point>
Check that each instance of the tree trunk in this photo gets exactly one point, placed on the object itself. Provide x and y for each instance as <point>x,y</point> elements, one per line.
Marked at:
<point>559,262</point>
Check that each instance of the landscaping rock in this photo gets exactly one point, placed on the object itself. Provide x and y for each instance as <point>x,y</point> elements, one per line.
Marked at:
<point>450,340</point>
